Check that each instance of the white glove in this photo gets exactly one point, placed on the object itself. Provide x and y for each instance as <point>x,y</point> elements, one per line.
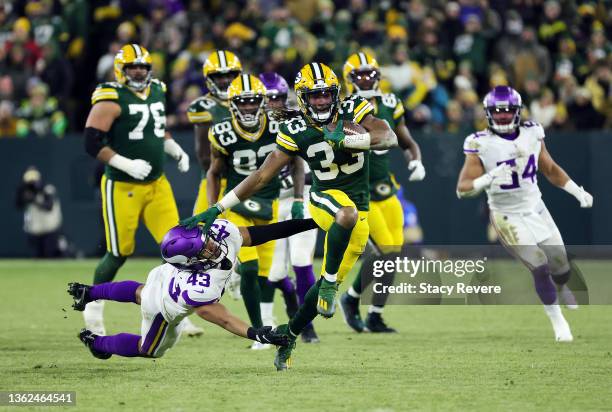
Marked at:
<point>175,151</point>
<point>584,198</point>
<point>418,173</point>
<point>137,168</point>
<point>502,174</point>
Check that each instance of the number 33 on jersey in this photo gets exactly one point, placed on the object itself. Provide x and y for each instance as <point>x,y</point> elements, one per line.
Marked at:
<point>139,130</point>
<point>331,169</point>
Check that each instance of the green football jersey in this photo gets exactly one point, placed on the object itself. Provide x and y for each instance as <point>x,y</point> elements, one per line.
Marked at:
<point>330,168</point>
<point>138,132</point>
<point>244,153</point>
<point>207,109</point>
<point>390,109</point>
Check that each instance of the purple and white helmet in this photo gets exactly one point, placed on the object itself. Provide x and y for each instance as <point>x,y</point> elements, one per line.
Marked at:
<point>191,249</point>
<point>276,86</point>
<point>502,106</point>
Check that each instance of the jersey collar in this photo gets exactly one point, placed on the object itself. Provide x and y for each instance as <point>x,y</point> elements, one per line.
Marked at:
<point>251,136</point>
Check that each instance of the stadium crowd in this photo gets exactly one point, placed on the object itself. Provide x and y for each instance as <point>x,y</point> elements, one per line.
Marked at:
<point>438,56</point>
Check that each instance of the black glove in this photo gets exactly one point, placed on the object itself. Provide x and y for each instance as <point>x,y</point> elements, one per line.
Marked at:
<point>268,335</point>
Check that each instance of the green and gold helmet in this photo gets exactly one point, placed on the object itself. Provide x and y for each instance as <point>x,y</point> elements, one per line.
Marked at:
<point>247,95</point>
<point>133,55</point>
<point>316,80</point>
<point>220,69</point>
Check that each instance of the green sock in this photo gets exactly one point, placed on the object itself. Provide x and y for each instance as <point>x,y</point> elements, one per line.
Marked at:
<point>107,268</point>
<point>364,278</point>
<point>251,293</point>
<point>307,311</point>
<point>338,238</point>
<point>267,290</point>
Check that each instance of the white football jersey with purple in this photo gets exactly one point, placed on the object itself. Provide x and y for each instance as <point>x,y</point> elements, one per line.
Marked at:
<point>522,194</point>
<point>184,290</point>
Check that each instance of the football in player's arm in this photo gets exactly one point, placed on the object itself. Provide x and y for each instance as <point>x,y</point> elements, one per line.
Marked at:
<point>193,280</point>
<point>340,181</point>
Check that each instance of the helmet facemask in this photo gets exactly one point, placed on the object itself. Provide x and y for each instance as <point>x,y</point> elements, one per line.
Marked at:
<point>247,109</point>
<point>219,82</point>
<point>365,81</point>
<point>320,104</point>
<point>138,83</point>
<point>503,119</point>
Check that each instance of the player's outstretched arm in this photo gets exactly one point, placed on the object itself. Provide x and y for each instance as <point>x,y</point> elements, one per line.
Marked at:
<point>412,151</point>
<point>100,120</point>
<point>218,314</point>
<point>252,184</point>
<point>558,177</point>
<point>213,176</point>
<point>473,179</point>
<point>258,235</point>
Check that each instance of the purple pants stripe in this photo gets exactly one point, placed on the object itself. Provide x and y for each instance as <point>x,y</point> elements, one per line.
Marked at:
<point>154,336</point>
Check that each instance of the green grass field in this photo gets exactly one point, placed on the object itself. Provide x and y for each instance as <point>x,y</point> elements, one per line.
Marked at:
<point>444,358</point>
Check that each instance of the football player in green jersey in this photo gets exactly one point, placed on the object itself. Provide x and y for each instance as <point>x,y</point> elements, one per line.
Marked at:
<point>240,145</point>
<point>219,69</point>
<point>340,192</point>
<point>126,129</point>
<point>361,76</point>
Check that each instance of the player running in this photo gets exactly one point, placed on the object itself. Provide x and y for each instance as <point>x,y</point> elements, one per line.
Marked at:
<point>240,145</point>
<point>504,160</point>
<point>220,69</point>
<point>126,129</point>
<point>296,251</point>
<point>192,281</point>
<point>339,195</point>
<point>386,219</point>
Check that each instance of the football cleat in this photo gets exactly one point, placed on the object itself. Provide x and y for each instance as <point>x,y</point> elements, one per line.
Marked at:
<point>350,309</point>
<point>88,338</point>
<point>80,293</point>
<point>326,304</point>
<point>375,324</point>
<point>309,335</point>
<point>282,359</point>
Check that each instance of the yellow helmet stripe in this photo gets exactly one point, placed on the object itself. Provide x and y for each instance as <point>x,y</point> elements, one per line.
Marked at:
<point>222,59</point>
<point>363,59</point>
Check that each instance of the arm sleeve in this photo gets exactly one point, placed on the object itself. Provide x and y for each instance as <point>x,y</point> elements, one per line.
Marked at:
<point>265,233</point>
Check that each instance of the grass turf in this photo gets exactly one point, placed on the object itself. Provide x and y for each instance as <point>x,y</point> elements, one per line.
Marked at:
<point>444,358</point>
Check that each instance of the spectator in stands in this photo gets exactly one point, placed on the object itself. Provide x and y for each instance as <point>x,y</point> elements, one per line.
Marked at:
<point>544,109</point>
<point>21,39</point>
<point>55,70</point>
<point>532,61</point>
<point>8,121</point>
<point>583,115</point>
<point>471,46</point>
<point>40,116</point>
<point>553,27</point>
<point>599,84</point>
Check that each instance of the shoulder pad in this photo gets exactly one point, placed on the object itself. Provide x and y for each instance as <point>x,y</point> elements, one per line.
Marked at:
<point>472,143</point>
<point>105,91</point>
<point>160,84</point>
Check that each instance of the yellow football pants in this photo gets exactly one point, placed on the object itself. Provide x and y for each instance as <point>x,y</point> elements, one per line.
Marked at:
<point>323,208</point>
<point>386,221</point>
<point>125,203</point>
<point>262,253</point>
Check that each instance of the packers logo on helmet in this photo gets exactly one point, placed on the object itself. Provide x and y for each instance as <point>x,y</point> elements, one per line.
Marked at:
<point>246,96</point>
<point>318,92</point>
<point>361,74</point>
<point>220,69</point>
<point>133,55</point>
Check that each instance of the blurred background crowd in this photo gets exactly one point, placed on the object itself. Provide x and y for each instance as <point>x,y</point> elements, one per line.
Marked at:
<point>439,56</point>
